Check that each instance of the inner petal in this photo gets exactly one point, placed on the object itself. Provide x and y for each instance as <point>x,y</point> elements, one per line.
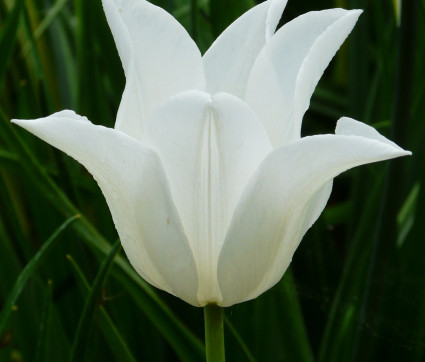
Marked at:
<point>209,202</point>
<point>209,146</point>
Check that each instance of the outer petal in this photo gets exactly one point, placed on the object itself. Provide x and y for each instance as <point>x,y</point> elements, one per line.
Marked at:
<point>290,65</point>
<point>229,60</point>
<point>210,147</point>
<point>350,127</point>
<point>137,192</point>
<point>282,201</point>
<point>159,59</point>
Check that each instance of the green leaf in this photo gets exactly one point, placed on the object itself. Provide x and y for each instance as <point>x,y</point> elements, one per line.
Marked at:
<point>239,339</point>
<point>43,337</point>
<point>224,12</point>
<point>51,15</point>
<point>184,343</point>
<point>289,314</point>
<point>380,269</point>
<point>406,216</point>
<point>115,341</point>
<point>408,311</point>
<point>341,324</point>
<point>29,270</point>
<point>80,339</point>
<point>7,156</point>
<point>8,37</point>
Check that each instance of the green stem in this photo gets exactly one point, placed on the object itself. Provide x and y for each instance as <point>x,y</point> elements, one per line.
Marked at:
<point>214,333</point>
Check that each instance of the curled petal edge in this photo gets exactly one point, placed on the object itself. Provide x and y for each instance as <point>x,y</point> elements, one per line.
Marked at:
<point>278,206</point>
<point>133,182</point>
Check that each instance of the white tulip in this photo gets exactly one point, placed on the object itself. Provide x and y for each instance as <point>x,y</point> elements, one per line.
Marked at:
<point>209,184</point>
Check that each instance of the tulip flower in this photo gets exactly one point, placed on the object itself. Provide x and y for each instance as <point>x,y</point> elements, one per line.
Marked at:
<point>210,186</point>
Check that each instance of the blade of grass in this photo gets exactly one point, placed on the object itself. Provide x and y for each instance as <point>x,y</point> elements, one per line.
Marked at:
<point>51,15</point>
<point>78,348</point>
<point>8,37</point>
<point>44,76</point>
<point>185,9</point>
<point>193,19</point>
<point>336,344</point>
<point>115,341</point>
<point>23,321</point>
<point>223,13</point>
<point>184,343</point>
<point>12,217</point>
<point>239,339</point>
<point>271,325</point>
<point>289,313</point>
<point>8,156</point>
<point>10,265</point>
<point>29,270</point>
<point>410,311</point>
<point>358,67</point>
<point>90,98</point>
<point>395,188</point>
<point>43,338</point>
<point>407,215</point>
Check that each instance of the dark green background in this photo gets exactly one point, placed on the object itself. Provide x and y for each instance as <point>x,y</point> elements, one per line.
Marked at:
<point>356,288</point>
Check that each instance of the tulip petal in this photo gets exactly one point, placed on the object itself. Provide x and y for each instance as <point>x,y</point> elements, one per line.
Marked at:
<point>229,60</point>
<point>159,59</point>
<point>210,147</point>
<point>350,127</point>
<point>137,192</point>
<point>282,201</point>
<point>289,67</point>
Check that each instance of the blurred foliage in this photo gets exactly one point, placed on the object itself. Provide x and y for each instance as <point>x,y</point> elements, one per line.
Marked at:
<point>356,288</point>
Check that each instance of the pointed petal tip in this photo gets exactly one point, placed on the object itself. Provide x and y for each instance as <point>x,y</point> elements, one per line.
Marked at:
<point>24,123</point>
<point>267,213</point>
<point>400,152</point>
<point>43,126</point>
<point>350,127</point>
<point>273,16</point>
<point>66,113</point>
<point>339,13</point>
<point>355,13</point>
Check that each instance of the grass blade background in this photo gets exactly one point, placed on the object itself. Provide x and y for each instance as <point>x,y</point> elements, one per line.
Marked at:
<point>115,340</point>
<point>172,329</point>
<point>29,271</point>
<point>43,338</point>
<point>80,343</point>
<point>60,54</point>
<point>8,36</point>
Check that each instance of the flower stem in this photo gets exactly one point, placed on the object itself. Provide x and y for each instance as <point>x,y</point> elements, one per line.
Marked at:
<point>214,333</point>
